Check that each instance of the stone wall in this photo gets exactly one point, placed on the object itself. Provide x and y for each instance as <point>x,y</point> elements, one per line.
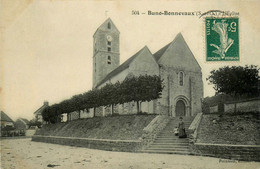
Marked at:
<point>243,106</point>
<point>191,92</point>
<point>235,152</point>
<point>193,129</point>
<point>79,115</point>
<point>246,105</point>
<point>213,109</point>
<point>102,144</point>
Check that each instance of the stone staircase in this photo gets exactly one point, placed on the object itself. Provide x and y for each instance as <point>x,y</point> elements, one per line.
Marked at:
<point>167,142</point>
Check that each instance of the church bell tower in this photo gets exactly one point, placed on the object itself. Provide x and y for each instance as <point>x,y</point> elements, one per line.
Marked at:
<point>106,54</point>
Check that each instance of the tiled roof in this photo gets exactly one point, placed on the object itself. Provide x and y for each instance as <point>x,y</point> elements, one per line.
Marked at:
<point>157,55</point>
<point>160,52</point>
<point>121,67</point>
<point>4,117</point>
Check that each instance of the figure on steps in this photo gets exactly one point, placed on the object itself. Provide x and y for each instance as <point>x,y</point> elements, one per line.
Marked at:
<point>176,131</point>
<point>182,133</point>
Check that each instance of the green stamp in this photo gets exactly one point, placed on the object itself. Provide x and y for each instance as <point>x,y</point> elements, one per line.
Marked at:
<point>222,39</point>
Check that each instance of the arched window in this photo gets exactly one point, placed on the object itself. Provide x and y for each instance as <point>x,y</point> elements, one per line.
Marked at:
<point>108,59</point>
<point>181,78</point>
<point>109,25</point>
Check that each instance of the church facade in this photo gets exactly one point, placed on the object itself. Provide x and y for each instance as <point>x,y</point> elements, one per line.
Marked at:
<point>174,63</point>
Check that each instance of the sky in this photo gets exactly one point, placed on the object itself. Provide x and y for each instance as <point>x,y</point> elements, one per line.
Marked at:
<point>47,45</point>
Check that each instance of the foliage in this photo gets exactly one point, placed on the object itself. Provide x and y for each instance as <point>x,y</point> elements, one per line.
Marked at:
<point>34,122</point>
<point>138,89</point>
<point>236,80</point>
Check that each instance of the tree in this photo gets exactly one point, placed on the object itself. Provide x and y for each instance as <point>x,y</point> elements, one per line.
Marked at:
<point>236,80</point>
<point>141,88</point>
<point>137,89</point>
<point>34,122</point>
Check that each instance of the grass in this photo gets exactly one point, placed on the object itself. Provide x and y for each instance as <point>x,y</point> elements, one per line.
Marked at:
<point>236,128</point>
<point>127,127</point>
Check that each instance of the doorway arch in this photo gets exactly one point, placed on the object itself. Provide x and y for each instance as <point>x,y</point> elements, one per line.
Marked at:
<point>180,108</point>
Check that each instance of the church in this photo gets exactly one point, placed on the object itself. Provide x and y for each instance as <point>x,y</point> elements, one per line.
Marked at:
<point>174,63</point>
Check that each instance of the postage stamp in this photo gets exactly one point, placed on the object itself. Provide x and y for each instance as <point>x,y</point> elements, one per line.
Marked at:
<point>222,39</point>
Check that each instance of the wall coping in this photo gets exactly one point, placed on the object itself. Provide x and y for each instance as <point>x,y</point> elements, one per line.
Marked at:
<point>243,100</point>
<point>226,145</point>
<point>91,139</point>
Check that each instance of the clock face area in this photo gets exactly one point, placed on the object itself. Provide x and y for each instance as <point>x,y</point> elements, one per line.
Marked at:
<point>109,38</point>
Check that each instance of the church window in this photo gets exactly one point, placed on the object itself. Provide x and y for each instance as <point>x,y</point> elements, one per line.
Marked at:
<point>108,43</point>
<point>181,78</point>
<point>108,49</point>
<point>109,25</point>
<point>109,60</point>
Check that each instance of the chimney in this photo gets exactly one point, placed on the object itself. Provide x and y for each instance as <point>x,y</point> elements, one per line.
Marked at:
<point>46,103</point>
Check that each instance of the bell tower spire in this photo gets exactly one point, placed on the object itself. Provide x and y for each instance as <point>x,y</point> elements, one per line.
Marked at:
<point>106,53</point>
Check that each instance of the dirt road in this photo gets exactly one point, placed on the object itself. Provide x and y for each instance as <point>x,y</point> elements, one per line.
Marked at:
<point>23,153</point>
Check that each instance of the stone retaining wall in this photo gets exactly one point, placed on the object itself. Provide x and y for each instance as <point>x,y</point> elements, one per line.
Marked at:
<point>213,109</point>
<point>235,152</point>
<point>246,105</point>
<point>102,144</point>
<point>193,129</point>
<point>243,106</point>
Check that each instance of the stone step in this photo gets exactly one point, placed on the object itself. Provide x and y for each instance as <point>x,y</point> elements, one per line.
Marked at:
<point>169,144</point>
<point>167,152</point>
<point>175,147</point>
<point>169,134</point>
<point>172,139</point>
<point>169,149</point>
<point>166,142</point>
<point>163,141</point>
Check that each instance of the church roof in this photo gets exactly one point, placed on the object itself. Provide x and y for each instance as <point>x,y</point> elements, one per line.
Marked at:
<point>4,117</point>
<point>122,67</point>
<point>160,52</point>
<point>180,51</point>
<point>102,26</point>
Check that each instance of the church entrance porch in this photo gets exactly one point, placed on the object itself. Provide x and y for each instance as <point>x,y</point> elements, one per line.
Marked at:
<point>180,108</point>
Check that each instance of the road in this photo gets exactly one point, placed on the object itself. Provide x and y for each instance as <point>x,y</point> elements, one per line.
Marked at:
<point>23,153</point>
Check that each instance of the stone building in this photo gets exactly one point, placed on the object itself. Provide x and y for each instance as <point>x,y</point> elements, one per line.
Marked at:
<point>21,123</point>
<point>6,121</point>
<point>38,112</point>
<point>175,63</point>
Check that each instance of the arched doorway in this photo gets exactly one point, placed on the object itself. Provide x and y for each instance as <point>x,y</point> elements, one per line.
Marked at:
<point>180,108</point>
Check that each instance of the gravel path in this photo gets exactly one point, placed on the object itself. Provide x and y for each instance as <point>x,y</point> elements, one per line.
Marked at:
<point>23,153</point>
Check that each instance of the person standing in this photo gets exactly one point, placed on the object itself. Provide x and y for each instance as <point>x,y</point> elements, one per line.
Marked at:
<point>182,133</point>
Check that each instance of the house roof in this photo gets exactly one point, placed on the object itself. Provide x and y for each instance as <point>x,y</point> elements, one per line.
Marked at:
<point>39,111</point>
<point>4,117</point>
<point>24,120</point>
<point>122,67</point>
<point>159,53</point>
